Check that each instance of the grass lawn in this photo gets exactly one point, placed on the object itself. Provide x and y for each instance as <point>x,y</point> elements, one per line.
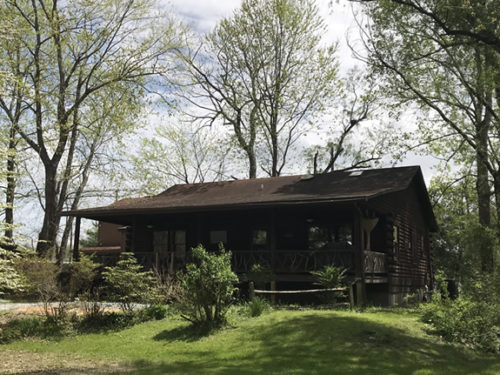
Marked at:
<point>281,342</point>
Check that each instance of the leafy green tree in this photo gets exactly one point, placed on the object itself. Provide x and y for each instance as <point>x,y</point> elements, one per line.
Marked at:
<point>179,153</point>
<point>76,51</point>
<point>208,287</point>
<point>11,282</point>
<point>434,56</point>
<point>265,73</point>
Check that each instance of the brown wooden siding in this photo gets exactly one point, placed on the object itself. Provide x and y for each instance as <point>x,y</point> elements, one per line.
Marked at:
<point>408,262</point>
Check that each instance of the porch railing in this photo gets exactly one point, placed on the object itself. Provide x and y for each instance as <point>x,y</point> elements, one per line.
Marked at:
<point>291,261</point>
<point>302,261</point>
<point>374,262</point>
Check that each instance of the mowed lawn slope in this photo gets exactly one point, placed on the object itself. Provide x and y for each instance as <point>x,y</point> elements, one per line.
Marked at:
<point>281,342</point>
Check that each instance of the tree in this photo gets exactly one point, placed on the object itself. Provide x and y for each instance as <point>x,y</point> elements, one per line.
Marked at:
<point>264,72</point>
<point>179,153</point>
<point>76,50</point>
<point>14,70</point>
<point>346,143</point>
<point>428,58</point>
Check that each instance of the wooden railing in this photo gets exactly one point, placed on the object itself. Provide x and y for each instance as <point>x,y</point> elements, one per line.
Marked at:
<point>374,262</point>
<point>291,261</point>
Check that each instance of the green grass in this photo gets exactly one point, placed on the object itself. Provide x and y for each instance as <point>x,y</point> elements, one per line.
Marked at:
<point>281,342</point>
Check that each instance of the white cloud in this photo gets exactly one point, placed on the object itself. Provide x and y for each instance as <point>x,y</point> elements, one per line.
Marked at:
<point>203,15</point>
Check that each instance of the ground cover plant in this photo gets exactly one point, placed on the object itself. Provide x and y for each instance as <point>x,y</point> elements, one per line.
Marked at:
<point>302,341</point>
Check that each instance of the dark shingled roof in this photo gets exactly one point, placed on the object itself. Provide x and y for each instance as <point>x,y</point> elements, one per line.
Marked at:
<point>331,187</point>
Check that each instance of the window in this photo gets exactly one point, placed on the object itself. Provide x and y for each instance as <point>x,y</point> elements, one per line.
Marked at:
<point>218,236</point>
<point>344,234</point>
<point>411,244</point>
<point>318,237</point>
<point>259,239</point>
<point>329,237</point>
<point>180,244</point>
<point>160,241</point>
<point>395,238</point>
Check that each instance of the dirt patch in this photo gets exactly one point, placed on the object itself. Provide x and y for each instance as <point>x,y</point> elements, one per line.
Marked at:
<point>25,362</point>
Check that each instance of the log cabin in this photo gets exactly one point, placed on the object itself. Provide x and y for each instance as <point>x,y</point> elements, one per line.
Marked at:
<point>376,223</point>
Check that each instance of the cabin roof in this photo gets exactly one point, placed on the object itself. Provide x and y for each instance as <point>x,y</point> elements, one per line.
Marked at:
<point>329,187</point>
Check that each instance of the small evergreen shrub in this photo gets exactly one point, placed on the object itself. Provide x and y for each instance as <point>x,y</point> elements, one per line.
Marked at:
<point>128,284</point>
<point>207,287</point>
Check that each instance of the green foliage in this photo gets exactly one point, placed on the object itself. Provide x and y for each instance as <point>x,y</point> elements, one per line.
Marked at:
<point>153,312</point>
<point>257,306</point>
<point>82,284</point>
<point>269,86</point>
<point>42,280</point>
<point>441,285</point>
<point>127,283</point>
<point>261,275</point>
<point>82,276</point>
<point>11,281</point>
<point>91,236</point>
<point>330,276</point>
<point>473,323</point>
<point>208,287</point>
<point>31,327</point>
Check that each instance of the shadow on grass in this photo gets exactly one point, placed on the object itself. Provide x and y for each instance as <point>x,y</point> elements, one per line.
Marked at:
<point>187,333</point>
<point>315,344</point>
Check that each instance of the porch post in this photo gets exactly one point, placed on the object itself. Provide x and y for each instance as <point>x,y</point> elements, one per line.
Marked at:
<point>198,231</point>
<point>359,257</point>
<point>76,244</point>
<point>272,236</point>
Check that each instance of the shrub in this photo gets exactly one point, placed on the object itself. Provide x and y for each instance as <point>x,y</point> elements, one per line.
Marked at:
<point>127,284</point>
<point>21,328</point>
<point>330,277</point>
<point>207,287</point>
<point>41,277</point>
<point>82,284</point>
<point>257,306</point>
<point>110,321</point>
<point>153,312</point>
<point>473,323</point>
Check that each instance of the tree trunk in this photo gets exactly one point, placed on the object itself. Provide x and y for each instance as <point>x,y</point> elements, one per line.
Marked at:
<point>252,165</point>
<point>9,193</point>
<point>496,186</point>
<point>48,233</point>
